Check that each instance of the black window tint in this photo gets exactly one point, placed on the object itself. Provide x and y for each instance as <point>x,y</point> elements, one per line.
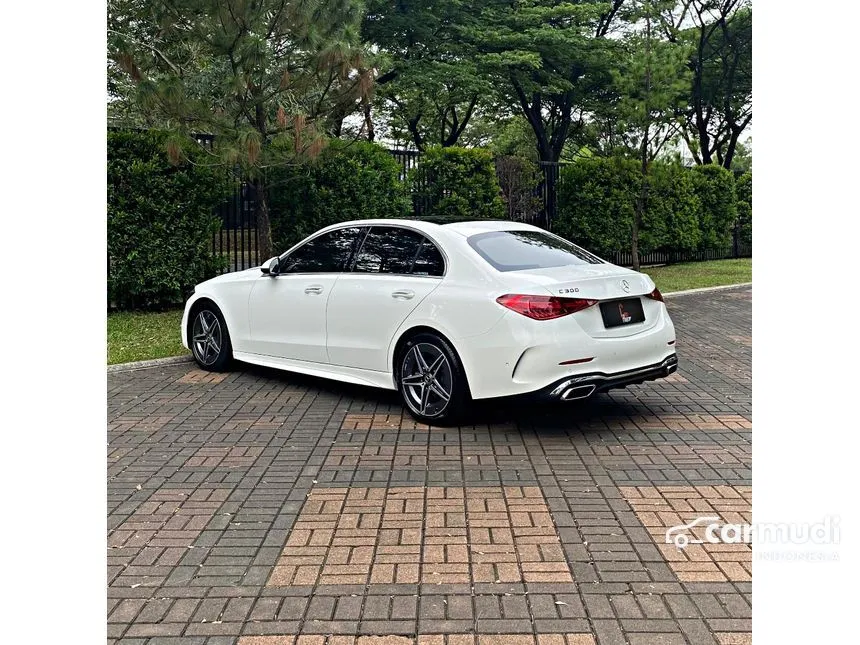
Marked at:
<point>429,260</point>
<point>328,253</point>
<point>522,250</point>
<point>388,250</point>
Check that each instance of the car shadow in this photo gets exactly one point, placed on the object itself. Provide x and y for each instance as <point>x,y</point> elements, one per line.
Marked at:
<point>585,417</point>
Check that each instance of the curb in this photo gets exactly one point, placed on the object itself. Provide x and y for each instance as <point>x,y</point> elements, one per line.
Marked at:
<point>707,289</point>
<point>175,360</point>
<point>142,365</point>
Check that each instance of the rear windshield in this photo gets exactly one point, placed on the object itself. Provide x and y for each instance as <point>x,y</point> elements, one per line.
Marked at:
<point>521,250</point>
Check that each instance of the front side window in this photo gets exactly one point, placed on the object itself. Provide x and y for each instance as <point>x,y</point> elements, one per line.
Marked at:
<point>523,250</point>
<point>389,249</point>
<point>327,253</point>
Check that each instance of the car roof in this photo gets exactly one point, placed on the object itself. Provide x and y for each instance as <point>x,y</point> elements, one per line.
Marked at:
<point>463,227</point>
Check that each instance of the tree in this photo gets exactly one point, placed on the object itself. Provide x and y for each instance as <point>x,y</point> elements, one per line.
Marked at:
<point>652,83</point>
<point>720,106</point>
<point>551,62</point>
<point>429,87</point>
<point>265,76</point>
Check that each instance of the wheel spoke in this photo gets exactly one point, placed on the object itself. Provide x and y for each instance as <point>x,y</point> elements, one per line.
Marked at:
<point>419,358</point>
<point>200,338</point>
<point>414,379</point>
<point>203,323</point>
<point>425,398</point>
<point>436,365</point>
<point>440,391</point>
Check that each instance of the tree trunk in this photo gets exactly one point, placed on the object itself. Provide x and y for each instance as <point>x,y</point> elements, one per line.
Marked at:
<point>264,224</point>
<point>368,121</point>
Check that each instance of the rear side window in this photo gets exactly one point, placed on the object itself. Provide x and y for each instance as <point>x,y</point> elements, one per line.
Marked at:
<point>402,251</point>
<point>429,260</point>
<point>523,250</point>
<point>327,253</point>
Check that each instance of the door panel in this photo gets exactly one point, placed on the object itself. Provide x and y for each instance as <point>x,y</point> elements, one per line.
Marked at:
<point>394,270</point>
<point>365,310</point>
<point>287,316</point>
<point>287,311</point>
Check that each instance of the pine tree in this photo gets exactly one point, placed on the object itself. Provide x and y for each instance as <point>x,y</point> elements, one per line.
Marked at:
<point>266,77</point>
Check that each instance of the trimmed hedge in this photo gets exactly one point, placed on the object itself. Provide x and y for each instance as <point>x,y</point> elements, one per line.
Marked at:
<point>160,219</point>
<point>347,181</point>
<point>744,190</point>
<point>458,183</point>
<point>686,209</point>
<point>596,200</point>
<point>715,187</point>
<point>671,221</point>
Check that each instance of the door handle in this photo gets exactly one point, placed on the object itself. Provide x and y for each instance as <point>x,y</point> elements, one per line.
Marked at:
<point>314,289</point>
<point>403,294</point>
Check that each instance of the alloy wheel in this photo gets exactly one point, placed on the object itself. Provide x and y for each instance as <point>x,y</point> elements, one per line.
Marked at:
<point>427,380</point>
<point>206,337</point>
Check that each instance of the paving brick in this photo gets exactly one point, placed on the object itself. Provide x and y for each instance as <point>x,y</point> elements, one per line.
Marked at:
<point>321,514</point>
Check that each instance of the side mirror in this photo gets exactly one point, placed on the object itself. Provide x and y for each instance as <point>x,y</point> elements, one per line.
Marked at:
<point>271,267</point>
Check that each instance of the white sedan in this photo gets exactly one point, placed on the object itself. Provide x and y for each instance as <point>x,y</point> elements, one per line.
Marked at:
<point>444,313</point>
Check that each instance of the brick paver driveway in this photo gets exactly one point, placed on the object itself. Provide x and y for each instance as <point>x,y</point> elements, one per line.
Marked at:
<point>263,508</point>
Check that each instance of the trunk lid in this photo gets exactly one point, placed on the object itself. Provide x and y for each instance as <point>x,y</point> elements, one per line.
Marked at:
<point>602,282</point>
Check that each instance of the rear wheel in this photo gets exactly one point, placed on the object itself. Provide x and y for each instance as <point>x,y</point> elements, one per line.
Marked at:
<point>431,380</point>
<point>209,338</point>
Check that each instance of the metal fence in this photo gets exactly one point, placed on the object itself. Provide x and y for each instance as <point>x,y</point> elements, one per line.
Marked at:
<point>737,249</point>
<point>236,241</point>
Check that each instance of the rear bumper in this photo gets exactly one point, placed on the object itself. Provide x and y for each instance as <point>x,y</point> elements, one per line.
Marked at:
<point>585,385</point>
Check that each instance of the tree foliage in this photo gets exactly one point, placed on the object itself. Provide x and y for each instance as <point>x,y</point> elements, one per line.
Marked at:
<point>429,87</point>
<point>651,83</point>
<point>719,106</point>
<point>265,76</point>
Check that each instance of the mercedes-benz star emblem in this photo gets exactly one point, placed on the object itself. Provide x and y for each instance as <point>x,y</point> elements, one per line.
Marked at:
<point>626,286</point>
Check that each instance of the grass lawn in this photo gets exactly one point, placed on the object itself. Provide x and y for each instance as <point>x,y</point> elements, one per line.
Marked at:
<point>139,336</point>
<point>693,275</point>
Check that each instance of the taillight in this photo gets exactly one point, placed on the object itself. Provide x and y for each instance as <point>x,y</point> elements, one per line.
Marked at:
<point>655,295</point>
<point>544,307</point>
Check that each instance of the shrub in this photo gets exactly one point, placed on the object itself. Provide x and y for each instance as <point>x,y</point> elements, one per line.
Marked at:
<point>744,191</point>
<point>458,183</point>
<point>672,209</point>
<point>347,181</point>
<point>715,187</point>
<point>160,219</point>
<point>596,199</point>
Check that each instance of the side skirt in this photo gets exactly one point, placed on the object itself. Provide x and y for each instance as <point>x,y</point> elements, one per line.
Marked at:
<point>355,375</point>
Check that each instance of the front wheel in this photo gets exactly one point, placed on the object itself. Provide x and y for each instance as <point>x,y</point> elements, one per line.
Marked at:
<point>209,338</point>
<point>431,380</point>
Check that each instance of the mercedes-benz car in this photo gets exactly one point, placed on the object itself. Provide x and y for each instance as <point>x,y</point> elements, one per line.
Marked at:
<point>444,313</point>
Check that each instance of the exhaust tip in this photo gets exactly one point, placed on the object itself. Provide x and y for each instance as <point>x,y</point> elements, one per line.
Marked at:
<point>578,392</point>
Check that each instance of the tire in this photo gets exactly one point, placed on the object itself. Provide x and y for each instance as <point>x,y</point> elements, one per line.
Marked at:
<point>431,380</point>
<point>213,350</point>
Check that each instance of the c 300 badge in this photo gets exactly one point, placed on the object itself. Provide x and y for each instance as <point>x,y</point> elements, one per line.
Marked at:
<point>573,290</point>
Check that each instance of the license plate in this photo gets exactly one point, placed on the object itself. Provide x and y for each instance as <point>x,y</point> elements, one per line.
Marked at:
<point>622,312</point>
